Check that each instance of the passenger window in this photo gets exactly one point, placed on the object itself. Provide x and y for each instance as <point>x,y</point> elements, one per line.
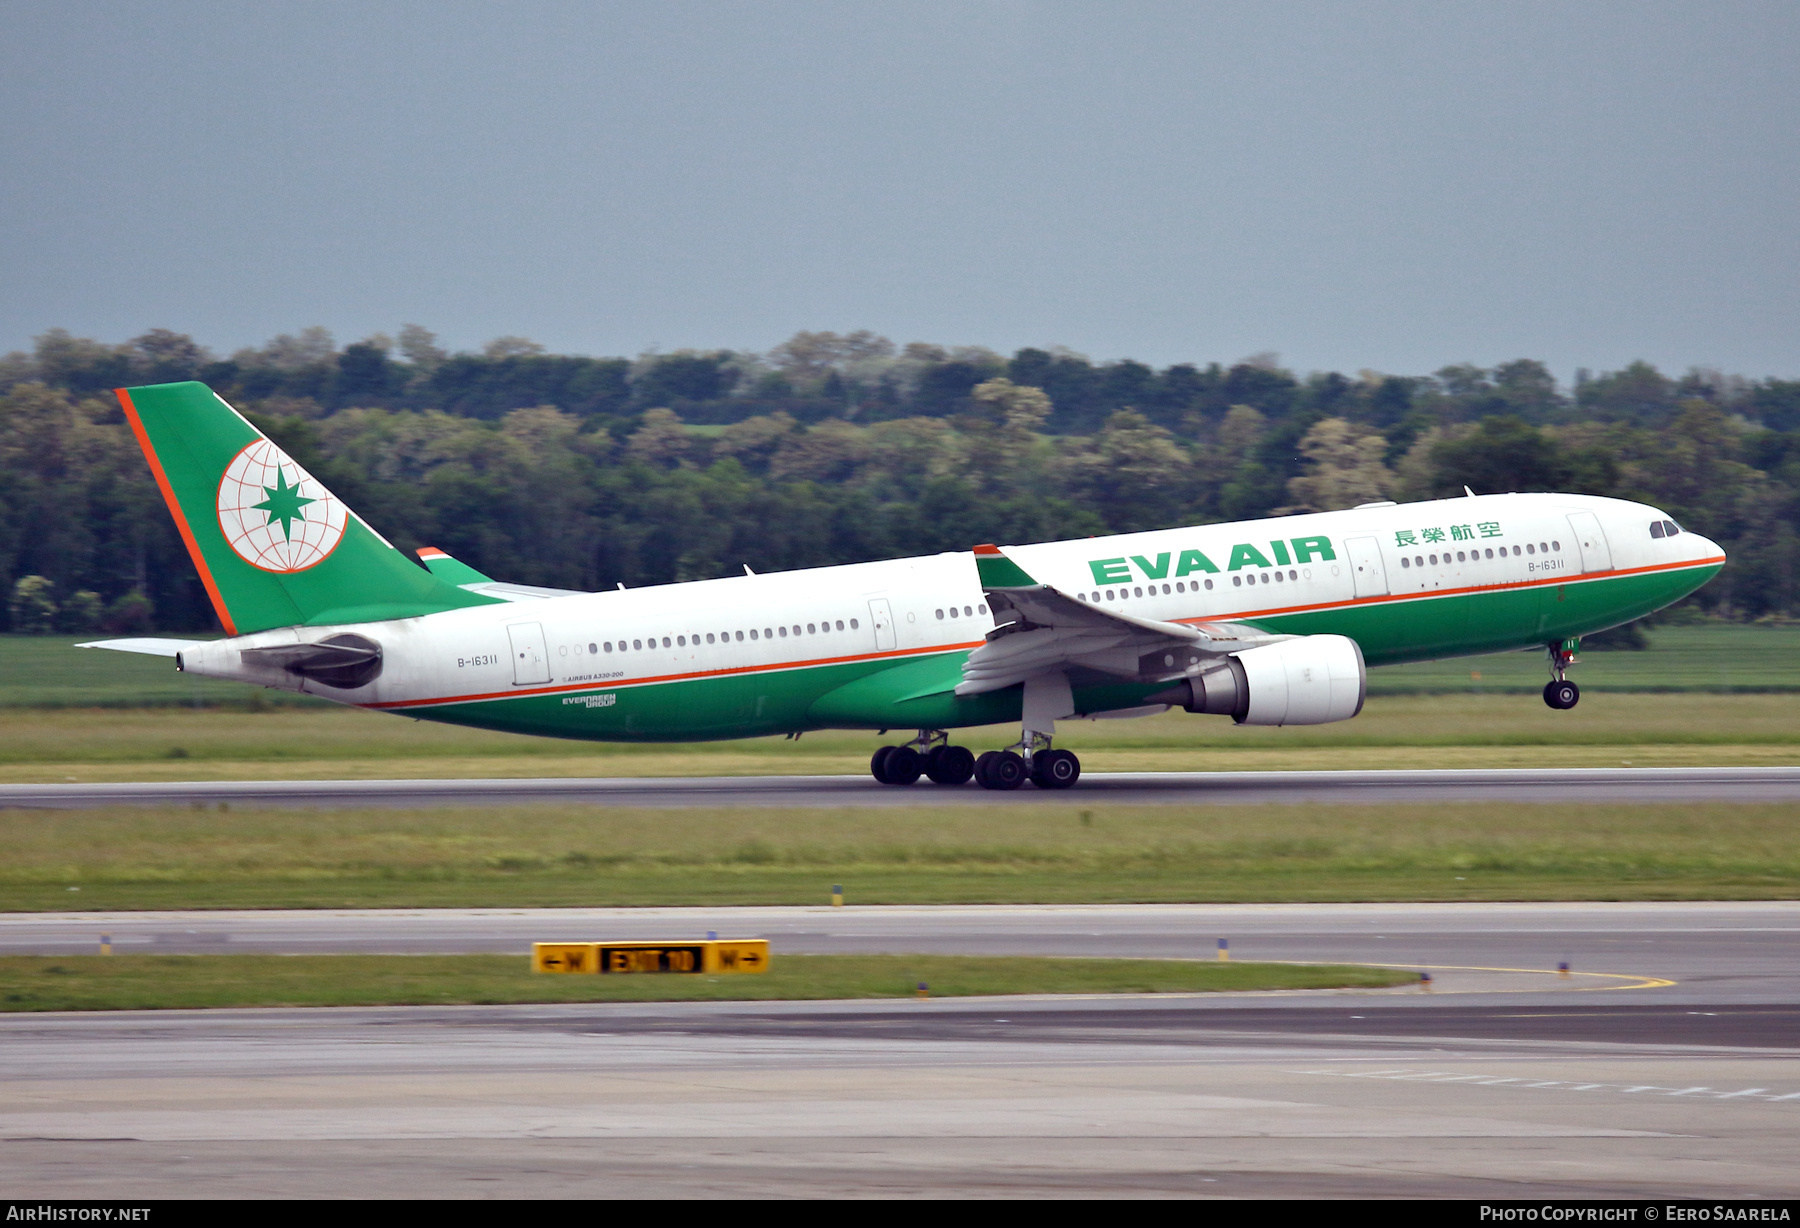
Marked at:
<point>609,645</point>
<point>1418,560</point>
<point>784,633</point>
<point>796,628</point>
<point>681,641</point>
<point>1530,549</point>
<point>1237,581</point>
<point>752,633</point>
<point>968,612</point>
<point>1278,577</point>
<point>1434,560</point>
<point>1109,594</point>
<point>1294,575</point>
<point>637,644</point>
<point>840,624</point>
<point>981,609</point>
<point>940,615</point>
<point>1137,592</point>
<point>853,624</point>
<point>1543,547</point>
<point>666,643</point>
<point>1460,558</point>
<point>1405,562</point>
<point>812,629</point>
<point>1209,586</point>
<point>768,634</point>
<point>709,637</point>
<point>1556,546</point>
<point>740,636</point>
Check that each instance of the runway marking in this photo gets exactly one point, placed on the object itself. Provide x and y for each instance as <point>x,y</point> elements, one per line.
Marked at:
<point>1638,981</point>
<point>1409,1074</point>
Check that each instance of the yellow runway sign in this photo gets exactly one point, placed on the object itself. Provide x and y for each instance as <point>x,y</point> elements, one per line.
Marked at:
<point>713,956</point>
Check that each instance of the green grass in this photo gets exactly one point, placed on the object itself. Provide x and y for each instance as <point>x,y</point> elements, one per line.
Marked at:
<point>1062,850</point>
<point>1416,731</point>
<point>168,982</point>
<point>1725,658</point>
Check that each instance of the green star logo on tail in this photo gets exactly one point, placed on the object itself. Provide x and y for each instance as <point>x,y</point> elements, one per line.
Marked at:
<point>284,503</point>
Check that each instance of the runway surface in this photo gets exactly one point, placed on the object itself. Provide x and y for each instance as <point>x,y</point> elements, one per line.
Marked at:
<point>1668,1065</point>
<point>1753,784</point>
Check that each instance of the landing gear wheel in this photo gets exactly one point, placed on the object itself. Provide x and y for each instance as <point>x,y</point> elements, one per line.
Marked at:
<point>878,763</point>
<point>1000,769</point>
<point>1055,769</point>
<point>902,766</point>
<point>950,765</point>
<point>1562,695</point>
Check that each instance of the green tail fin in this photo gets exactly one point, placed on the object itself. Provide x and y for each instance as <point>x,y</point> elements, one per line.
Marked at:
<point>272,545</point>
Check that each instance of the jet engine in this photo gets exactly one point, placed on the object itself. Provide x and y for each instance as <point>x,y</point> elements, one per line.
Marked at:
<point>1308,680</point>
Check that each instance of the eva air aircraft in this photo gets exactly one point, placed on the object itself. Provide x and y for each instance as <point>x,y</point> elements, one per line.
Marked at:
<point>1268,622</point>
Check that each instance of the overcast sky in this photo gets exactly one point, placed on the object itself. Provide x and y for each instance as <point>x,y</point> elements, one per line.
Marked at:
<point>1396,186</point>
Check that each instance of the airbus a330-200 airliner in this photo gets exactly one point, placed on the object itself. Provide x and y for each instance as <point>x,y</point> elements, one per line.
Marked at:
<point>1268,622</point>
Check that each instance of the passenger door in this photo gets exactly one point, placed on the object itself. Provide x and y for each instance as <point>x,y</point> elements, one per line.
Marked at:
<point>1366,566</point>
<point>531,659</point>
<point>1596,555</point>
<point>881,618</point>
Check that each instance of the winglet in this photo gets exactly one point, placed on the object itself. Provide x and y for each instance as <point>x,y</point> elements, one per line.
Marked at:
<point>998,571</point>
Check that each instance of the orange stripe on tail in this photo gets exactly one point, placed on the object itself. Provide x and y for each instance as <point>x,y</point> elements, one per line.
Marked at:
<point>168,494</point>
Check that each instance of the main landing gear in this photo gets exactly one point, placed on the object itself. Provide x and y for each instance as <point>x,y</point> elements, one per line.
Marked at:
<point>1008,769</point>
<point>1559,692</point>
<point>929,755</point>
<point>944,764</point>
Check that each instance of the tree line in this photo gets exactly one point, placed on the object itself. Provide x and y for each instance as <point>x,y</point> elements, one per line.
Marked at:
<point>580,472</point>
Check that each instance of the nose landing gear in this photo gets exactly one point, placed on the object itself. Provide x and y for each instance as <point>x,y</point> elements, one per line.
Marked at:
<point>1560,693</point>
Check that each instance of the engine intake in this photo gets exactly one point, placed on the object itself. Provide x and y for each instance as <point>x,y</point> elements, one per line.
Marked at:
<point>1308,680</point>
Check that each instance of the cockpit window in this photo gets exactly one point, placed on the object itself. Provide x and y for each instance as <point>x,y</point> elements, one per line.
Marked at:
<point>1671,528</point>
<point>1657,529</point>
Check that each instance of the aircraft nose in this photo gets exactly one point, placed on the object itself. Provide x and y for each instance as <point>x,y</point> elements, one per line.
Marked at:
<point>1706,547</point>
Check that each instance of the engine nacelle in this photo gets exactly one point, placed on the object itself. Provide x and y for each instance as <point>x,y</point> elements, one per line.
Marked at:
<point>1308,680</point>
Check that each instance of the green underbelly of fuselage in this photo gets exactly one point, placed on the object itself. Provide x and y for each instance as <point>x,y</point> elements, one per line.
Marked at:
<point>919,691</point>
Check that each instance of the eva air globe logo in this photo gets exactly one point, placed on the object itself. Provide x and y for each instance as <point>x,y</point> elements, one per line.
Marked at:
<point>275,514</point>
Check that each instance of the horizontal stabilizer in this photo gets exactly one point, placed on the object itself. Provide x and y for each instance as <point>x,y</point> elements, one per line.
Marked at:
<point>149,647</point>
<point>459,573</point>
<point>446,567</point>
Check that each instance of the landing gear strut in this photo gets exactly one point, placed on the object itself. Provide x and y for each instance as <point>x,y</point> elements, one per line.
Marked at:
<point>1560,693</point>
<point>929,755</point>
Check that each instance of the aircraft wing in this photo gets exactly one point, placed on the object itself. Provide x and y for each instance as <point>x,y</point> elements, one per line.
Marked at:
<point>1043,629</point>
